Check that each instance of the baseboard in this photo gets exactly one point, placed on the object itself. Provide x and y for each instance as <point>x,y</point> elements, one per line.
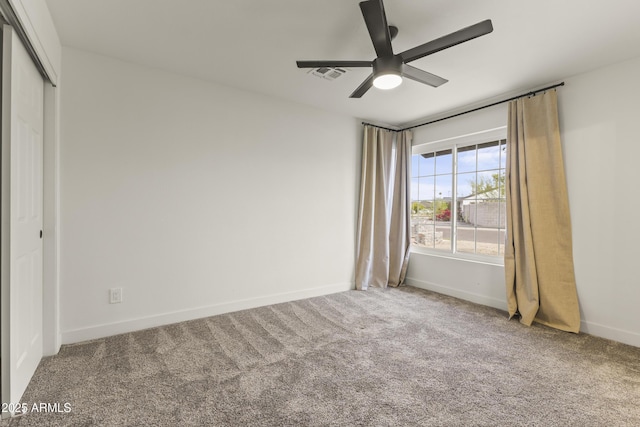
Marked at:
<point>110,329</point>
<point>457,293</point>
<point>608,332</point>
<point>591,328</point>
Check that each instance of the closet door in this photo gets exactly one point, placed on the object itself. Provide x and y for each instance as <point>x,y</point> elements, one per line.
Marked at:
<point>22,216</point>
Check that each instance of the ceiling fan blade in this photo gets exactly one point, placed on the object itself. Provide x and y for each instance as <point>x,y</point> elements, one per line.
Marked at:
<point>333,64</point>
<point>457,37</point>
<point>421,76</point>
<point>363,88</point>
<point>376,20</point>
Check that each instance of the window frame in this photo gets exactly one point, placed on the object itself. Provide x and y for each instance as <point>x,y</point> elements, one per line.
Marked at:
<point>476,138</point>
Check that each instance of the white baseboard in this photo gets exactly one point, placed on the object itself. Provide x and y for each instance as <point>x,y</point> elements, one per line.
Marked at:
<point>458,293</point>
<point>608,332</point>
<point>591,328</point>
<point>131,325</point>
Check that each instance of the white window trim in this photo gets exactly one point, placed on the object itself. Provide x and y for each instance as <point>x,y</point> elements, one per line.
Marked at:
<point>488,135</point>
<point>461,141</point>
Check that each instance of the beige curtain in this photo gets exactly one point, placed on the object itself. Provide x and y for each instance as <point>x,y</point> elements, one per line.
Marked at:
<point>538,256</point>
<point>383,218</point>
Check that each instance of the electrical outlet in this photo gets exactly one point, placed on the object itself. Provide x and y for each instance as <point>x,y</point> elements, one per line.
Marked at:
<point>115,295</point>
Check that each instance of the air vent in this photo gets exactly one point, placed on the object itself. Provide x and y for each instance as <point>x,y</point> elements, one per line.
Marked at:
<point>328,73</point>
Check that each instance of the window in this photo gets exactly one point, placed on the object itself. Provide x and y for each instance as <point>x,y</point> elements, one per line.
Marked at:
<point>458,200</point>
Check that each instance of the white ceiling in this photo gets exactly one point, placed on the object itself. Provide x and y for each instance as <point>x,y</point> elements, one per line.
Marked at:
<point>253,45</point>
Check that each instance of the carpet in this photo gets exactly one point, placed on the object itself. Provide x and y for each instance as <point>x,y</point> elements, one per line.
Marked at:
<point>396,357</point>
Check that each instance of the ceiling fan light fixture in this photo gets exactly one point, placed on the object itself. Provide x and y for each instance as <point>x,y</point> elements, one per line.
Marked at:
<point>387,81</point>
<point>387,72</point>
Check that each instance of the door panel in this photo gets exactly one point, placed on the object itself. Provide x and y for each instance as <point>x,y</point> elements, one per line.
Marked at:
<point>22,164</point>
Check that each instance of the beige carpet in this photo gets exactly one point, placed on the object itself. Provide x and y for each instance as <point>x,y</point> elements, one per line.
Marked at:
<point>402,357</point>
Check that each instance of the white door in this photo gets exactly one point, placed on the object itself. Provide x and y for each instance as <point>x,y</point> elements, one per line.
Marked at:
<point>22,150</point>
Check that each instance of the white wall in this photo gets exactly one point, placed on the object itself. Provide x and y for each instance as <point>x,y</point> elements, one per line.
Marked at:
<point>195,198</point>
<point>599,112</point>
<point>599,117</point>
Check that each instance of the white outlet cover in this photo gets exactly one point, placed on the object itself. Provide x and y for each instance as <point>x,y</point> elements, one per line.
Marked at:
<point>115,295</point>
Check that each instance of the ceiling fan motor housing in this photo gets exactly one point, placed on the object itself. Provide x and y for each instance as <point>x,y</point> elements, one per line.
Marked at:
<point>387,65</point>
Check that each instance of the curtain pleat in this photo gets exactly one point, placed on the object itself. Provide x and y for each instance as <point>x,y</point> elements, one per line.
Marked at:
<point>400,229</point>
<point>538,262</point>
<point>383,216</point>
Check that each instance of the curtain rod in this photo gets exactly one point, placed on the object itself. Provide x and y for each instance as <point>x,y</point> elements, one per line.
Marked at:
<point>380,127</point>
<point>533,92</point>
<point>489,105</point>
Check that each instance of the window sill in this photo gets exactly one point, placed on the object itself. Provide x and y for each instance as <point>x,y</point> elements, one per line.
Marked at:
<point>480,259</point>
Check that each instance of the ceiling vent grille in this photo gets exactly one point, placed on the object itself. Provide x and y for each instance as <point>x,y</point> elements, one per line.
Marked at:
<point>328,73</point>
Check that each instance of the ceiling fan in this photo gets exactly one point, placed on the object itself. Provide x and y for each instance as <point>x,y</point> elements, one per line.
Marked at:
<point>389,68</point>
